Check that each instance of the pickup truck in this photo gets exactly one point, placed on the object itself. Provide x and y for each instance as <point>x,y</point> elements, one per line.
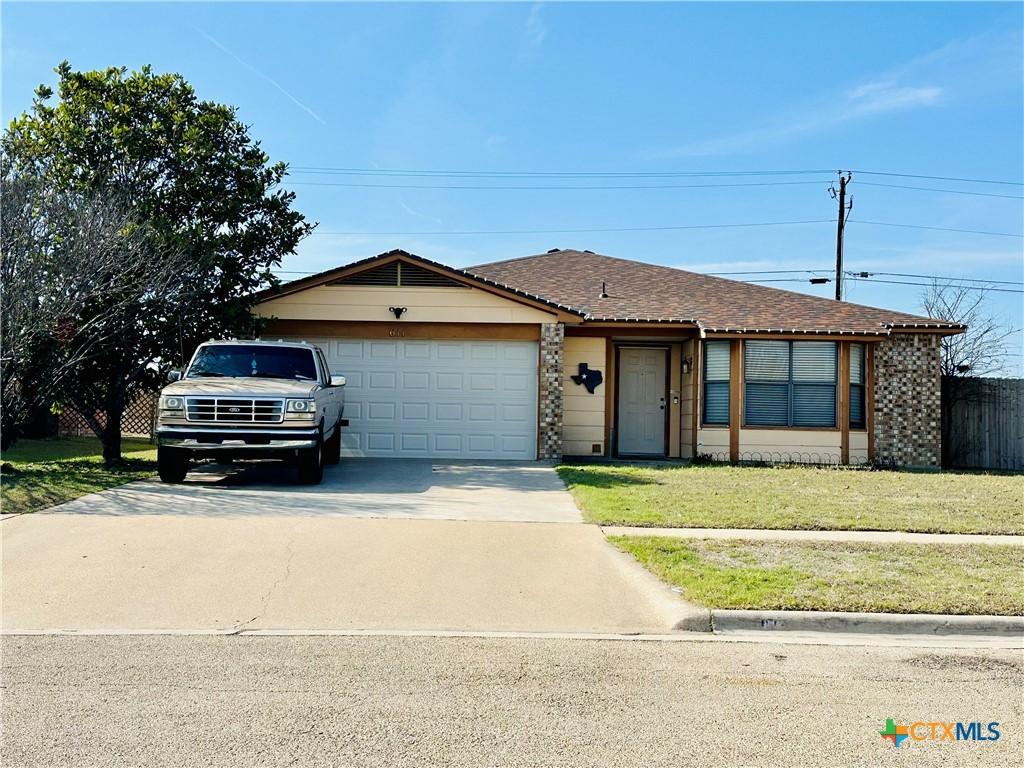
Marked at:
<point>251,400</point>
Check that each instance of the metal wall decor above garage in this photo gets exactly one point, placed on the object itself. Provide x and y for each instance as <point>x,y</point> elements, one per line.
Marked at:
<point>437,398</point>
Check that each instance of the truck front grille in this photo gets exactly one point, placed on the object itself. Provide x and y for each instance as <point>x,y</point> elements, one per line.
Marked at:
<point>234,410</point>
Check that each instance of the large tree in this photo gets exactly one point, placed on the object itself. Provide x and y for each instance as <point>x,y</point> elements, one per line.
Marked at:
<point>198,183</point>
<point>72,265</point>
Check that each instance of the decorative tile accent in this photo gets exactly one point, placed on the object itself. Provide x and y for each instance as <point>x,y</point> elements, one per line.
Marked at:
<point>552,355</point>
<point>908,399</point>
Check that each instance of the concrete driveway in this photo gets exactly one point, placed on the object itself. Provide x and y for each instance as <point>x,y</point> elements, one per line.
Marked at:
<point>380,545</point>
<point>393,488</point>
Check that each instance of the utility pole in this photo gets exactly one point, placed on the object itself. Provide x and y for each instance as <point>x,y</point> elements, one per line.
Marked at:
<point>844,214</point>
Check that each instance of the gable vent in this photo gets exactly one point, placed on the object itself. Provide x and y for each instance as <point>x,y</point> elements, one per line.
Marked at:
<point>400,273</point>
<point>386,274</point>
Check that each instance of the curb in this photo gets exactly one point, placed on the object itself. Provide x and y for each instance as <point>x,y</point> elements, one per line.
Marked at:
<point>866,623</point>
<point>669,604</point>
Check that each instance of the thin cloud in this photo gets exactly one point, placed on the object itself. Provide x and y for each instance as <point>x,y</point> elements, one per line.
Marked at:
<point>886,96</point>
<point>263,75</point>
<point>535,32</point>
<point>418,214</point>
<point>952,71</point>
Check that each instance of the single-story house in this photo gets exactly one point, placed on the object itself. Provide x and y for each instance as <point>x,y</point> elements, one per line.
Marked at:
<point>571,353</point>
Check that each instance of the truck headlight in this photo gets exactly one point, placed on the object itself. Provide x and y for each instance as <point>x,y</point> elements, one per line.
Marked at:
<point>172,403</point>
<point>301,406</point>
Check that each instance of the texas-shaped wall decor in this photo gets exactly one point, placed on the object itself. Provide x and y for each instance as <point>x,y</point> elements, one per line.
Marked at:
<point>591,379</point>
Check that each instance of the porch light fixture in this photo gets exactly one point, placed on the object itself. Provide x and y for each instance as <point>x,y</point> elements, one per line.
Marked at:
<point>398,312</point>
<point>687,366</point>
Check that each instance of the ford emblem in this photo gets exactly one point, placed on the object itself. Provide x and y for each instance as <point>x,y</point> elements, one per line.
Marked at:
<point>234,410</point>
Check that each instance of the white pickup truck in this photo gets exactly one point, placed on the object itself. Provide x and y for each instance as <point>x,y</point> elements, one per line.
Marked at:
<point>251,400</point>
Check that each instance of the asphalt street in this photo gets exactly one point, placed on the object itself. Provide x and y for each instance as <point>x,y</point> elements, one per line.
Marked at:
<point>467,701</point>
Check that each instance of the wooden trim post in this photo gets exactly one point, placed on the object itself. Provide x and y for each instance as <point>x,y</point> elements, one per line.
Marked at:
<point>843,395</point>
<point>735,397</point>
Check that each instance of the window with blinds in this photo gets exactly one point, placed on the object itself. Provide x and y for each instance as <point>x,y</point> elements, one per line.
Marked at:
<point>790,383</point>
<point>716,383</point>
<point>858,409</point>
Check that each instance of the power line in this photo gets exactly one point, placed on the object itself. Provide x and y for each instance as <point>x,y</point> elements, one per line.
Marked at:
<point>363,185</point>
<point>423,172</point>
<point>926,285</point>
<point>583,230</point>
<point>543,174</point>
<point>942,277</point>
<point>942,178</point>
<point>934,189</point>
<point>938,229</point>
<point>770,271</point>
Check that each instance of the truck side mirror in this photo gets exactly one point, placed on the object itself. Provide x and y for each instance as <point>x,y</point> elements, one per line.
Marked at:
<point>338,381</point>
<point>173,376</point>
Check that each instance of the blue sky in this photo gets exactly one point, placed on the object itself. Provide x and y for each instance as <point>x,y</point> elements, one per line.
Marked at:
<point>929,89</point>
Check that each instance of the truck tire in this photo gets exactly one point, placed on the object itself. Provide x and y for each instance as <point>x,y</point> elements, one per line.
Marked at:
<point>311,463</point>
<point>171,464</point>
<point>332,448</point>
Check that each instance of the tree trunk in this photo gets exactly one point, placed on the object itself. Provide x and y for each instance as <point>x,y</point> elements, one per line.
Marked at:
<point>112,436</point>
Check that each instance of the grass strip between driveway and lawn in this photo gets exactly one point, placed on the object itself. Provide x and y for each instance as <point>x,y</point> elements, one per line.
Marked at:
<point>801,498</point>
<point>813,576</point>
<point>41,473</point>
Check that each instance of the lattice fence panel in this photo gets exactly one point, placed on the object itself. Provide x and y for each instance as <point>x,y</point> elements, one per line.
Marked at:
<point>136,422</point>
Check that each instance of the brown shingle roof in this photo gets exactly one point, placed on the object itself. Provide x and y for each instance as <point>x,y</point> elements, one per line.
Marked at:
<point>647,292</point>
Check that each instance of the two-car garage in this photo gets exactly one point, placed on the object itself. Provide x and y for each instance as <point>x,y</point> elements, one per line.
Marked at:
<point>437,398</point>
<point>457,398</point>
<point>439,363</point>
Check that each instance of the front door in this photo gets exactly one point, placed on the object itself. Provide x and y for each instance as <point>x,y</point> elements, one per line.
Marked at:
<point>641,417</point>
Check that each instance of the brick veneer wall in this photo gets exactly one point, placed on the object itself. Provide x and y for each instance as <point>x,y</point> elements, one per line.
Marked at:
<point>908,400</point>
<point>552,355</point>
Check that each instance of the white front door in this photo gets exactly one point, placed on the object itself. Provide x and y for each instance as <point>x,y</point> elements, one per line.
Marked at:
<point>437,399</point>
<point>642,385</point>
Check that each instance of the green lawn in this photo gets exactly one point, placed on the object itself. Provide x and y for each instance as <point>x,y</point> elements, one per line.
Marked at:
<point>806,498</point>
<point>42,473</point>
<point>811,576</point>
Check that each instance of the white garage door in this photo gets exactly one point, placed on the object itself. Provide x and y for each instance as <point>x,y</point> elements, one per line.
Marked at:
<point>438,399</point>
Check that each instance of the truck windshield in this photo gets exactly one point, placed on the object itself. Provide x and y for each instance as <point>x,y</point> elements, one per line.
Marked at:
<point>237,360</point>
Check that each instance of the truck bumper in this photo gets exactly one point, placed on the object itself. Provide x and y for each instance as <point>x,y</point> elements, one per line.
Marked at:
<point>203,439</point>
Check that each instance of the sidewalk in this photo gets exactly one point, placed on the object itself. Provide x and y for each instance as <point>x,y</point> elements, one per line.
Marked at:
<point>870,537</point>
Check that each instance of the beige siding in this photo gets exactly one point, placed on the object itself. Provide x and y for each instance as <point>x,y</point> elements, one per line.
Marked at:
<point>858,447</point>
<point>583,419</point>
<point>798,445</point>
<point>714,441</point>
<point>424,305</point>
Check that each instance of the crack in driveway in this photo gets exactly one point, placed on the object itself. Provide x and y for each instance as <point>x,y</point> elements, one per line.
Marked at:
<point>289,546</point>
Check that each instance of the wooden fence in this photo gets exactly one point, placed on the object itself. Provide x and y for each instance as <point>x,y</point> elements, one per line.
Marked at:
<point>983,424</point>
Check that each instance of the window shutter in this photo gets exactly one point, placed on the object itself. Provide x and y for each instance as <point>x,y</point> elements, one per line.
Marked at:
<point>814,405</point>
<point>857,375</point>
<point>716,382</point>
<point>716,361</point>
<point>856,363</point>
<point>766,360</point>
<point>814,361</point>
<point>767,405</point>
<point>716,402</point>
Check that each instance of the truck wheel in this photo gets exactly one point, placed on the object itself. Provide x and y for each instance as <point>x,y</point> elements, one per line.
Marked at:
<point>311,464</point>
<point>171,464</point>
<point>332,448</point>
